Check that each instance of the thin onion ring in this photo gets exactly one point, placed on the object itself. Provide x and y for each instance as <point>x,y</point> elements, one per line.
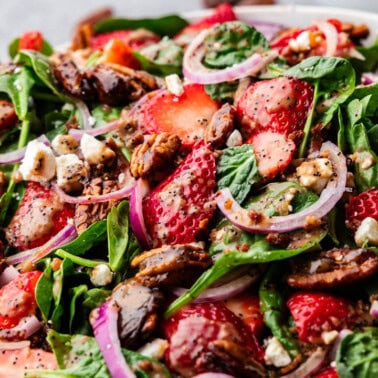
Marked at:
<point>90,199</point>
<point>195,71</point>
<point>104,321</point>
<point>331,36</point>
<point>108,127</point>
<point>332,193</point>
<point>23,330</point>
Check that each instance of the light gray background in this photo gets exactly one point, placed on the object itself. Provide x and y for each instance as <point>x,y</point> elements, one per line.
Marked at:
<point>56,18</point>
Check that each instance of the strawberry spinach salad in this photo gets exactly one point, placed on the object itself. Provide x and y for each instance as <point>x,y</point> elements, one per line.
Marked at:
<point>190,200</point>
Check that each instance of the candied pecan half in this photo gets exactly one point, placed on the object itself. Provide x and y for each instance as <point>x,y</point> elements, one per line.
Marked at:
<point>332,268</point>
<point>220,126</point>
<point>139,311</point>
<point>171,264</point>
<point>156,152</point>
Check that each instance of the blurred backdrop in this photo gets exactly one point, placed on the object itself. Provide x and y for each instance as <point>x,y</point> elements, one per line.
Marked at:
<point>56,19</point>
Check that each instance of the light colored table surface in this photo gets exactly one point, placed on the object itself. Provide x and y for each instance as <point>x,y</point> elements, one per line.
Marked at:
<point>56,19</point>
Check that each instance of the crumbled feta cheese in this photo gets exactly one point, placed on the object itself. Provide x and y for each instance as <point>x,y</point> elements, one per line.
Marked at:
<point>38,163</point>
<point>275,354</point>
<point>70,172</point>
<point>174,84</point>
<point>101,275</point>
<point>314,174</point>
<point>329,337</point>
<point>95,151</point>
<point>64,144</point>
<point>367,232</point>
<point>301,43</point>
<point>154,349</point>
<point>235,139</point>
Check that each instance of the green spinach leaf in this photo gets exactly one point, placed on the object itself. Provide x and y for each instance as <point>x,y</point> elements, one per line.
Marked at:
<point>357,355</point>
<point>164,26</point>
<point>223,92</point>
<point>237,170</point>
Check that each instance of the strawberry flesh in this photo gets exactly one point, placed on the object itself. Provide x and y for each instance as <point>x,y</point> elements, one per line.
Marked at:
<point>274,152</point>
<point>8,117</point>
<point>362,206</point>
<point>192,331</point>
<point>40,215</point>
<point>316,312</point>
<point>280,105</point>
<point>186,115</point>
<point>31,40</point>
<point>179,208</point>
<point>17,299</point>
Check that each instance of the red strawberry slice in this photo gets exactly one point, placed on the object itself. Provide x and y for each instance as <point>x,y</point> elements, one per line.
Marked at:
<point>330,372</point>
<point>98,41</point>
<point>31,40</point>
<point>17,299</point>
<point>8,117</point>
<point>362,206</point>
<point>315,313</point>
<point>186,115</point>
<point>280,105</point>
<point>222,13</point>
<point>247,307</point>
<point>40,215</point>
<point>274,152</point>
<point>194,331</point>
<point>179,208</point>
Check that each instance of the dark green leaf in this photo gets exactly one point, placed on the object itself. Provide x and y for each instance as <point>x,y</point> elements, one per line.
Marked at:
<point>223,92</point>
<point>237,170</point>
<point>232,42</point>
<point>44,291</point>
<point>357,355</point>
<point>164,26</point>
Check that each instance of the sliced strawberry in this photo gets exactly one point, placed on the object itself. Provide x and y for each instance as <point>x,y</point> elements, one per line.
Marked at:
<point>274,152</point>
<point>362,206</point>
<point>17,299</point>
<point>247,307</point>
<point>280,105</point>
<point>315,313</point>
<point>133,39</point>
<point>116,51</point>
<point>40,215</point>
<point>8,117</point>
<point>179,208</point>
<point>194,334</point>
<point>31,40</point>
<point>186,115</point>
<point>222,13</point>
<point>330,372</point>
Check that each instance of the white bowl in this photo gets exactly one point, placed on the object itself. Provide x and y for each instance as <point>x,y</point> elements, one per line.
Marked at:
<point>299,15</point>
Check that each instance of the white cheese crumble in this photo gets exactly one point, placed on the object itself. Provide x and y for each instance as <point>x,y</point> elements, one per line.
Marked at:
<point>314,174</point>
<point>367,232</point>
<point>95,151</point>
<point>38,163</point>
<point>301,43</point>
<point>235,139</point>
<point>154,349</point>
<point>101,275</point>
<point>64,144</point>
<point>174,84</point>
<point>275,354</point>
<point>70,171</point>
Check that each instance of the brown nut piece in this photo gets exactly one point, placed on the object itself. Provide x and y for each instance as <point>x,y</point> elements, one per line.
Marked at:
<point>171,264</point>
<point>139,312</point>
<point>154,153</point>
<point>220,126</point>
<point>332,268</point>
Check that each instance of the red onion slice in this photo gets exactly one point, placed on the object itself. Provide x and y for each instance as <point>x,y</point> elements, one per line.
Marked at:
<point>104,321</point>
<point>331,36</point>
<point>213,375</point>
<point>23,330</point>
<point>268,29</point>
<point>8,275</point>
<point>195,71</point>
<point>85,115</point>
<point>329,197</point>
<point>374,308</point>
<point>108,127</point>
<point>64,236</point>
<point>311,366</point>
<point>138,226</point>
<point>90,199</point>
<point>17,155</point>
<point>220,293</point>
